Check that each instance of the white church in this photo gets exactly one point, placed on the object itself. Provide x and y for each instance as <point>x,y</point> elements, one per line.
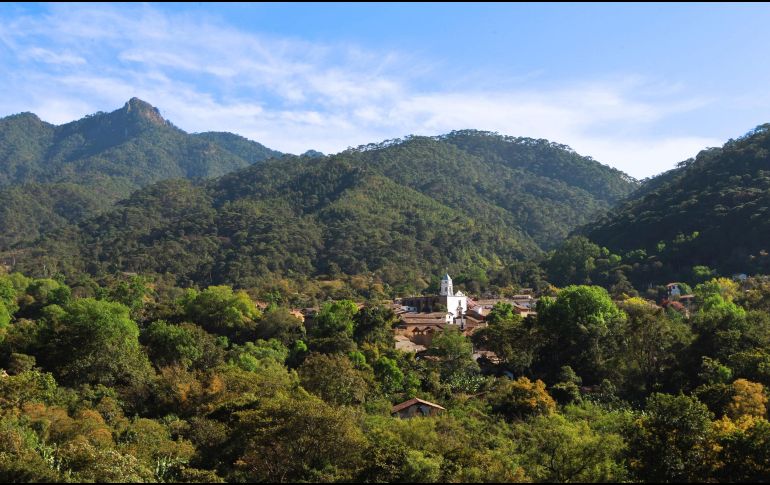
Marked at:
<point>423,317</point>
<point>455,304</point>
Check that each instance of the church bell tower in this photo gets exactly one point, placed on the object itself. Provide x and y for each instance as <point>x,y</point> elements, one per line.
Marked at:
<point>446,286</point>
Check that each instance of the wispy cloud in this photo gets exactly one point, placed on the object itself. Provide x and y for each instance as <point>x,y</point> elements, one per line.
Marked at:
<point>294,95</point>
<point>50,57</point>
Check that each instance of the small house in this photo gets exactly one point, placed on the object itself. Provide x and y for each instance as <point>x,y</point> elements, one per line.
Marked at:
<point>673,289</point>
<point>415,407</point>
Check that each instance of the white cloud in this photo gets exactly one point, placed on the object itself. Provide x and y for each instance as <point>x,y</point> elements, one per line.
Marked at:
<point>50,57</point>
<point>642,157</point>
<point>293,95</point>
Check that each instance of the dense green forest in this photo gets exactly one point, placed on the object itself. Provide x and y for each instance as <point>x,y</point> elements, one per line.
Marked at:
<point>395,214</point>
<point>52,176</point>
<point>148,279</point>
<point>705,218</point>
<point>711,211</point>
<point>380,219</point>
<point>135,379</point>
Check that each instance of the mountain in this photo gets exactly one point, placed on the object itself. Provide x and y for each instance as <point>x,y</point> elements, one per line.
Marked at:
<point>249,151</point>
<point>133,143</point>
<point>103,158</point>
<point>713,210</point>
<point>400,211</point>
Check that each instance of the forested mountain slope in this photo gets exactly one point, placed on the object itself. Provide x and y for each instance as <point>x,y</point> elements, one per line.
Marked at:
<point>713,210</point>
<point>54,175</point>
<point>401,211</point>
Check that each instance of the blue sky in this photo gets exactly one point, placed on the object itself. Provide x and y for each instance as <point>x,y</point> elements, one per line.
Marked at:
<point>639,87</point>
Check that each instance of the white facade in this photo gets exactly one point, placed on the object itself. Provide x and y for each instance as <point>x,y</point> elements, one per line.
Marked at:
<point>447,298</point>
<point>452,300</point>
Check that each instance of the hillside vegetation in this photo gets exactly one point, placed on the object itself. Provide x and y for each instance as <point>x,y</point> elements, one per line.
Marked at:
<point>710,214</point>
<point>51,176</point>
<point>399,212</point>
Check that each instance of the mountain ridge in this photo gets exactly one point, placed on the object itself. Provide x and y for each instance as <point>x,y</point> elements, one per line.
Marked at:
<point>398,212</point>
<point>106,156</point>
<point>712,210</point>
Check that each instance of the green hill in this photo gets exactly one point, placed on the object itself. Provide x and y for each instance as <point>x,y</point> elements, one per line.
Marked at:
<point>400,212</point>
<point>713,210</point>
<point>98,160</point>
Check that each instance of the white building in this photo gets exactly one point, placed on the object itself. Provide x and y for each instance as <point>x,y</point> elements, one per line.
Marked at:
<point>453,301</point>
